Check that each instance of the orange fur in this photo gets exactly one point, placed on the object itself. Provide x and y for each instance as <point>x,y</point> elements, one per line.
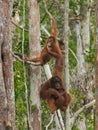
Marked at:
<point>44,56</point>
<point>55,94</point>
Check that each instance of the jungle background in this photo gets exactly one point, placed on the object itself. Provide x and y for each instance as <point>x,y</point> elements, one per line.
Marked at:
<point>29,26</point>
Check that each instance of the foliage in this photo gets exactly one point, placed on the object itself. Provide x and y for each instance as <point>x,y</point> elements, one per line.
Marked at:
<point>90,55</point>
<point>20,96</point>
<point>57,12</point>
<point>72,46</point>
<point>46,115</point>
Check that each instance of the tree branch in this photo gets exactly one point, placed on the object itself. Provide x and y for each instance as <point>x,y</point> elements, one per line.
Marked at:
<point>21,60</point>
<point>47,11</point>
<point>19,26</point>
<point>58,120</point>
<point>51,120</point>
<point>73,54</point>
<point>46,31</point>
<point>80,110</point>
<point>25,29</point>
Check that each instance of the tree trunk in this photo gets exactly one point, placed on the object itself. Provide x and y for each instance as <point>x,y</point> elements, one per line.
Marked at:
<point>81,64</point>
<point>3,96</point>
<point>85,23</point>
<point>6,66</point>
<point>35,72</point>
<point>66,33</point>
<point>82,124</point>
<point>96,70</point>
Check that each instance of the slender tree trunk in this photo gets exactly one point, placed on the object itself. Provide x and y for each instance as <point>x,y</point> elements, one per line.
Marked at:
<point>82,124</point>
<point>35,72</point>
<point>96,70</point>
<point>3,96</point>
<point>85,23</point>
<point>3,102</point>
<point>81,64</point>
<point>66,38</point>
<point>6,67</point>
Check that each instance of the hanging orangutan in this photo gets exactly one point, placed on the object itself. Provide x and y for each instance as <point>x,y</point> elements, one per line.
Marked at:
<point>52,43</point>
<point>55,94</point>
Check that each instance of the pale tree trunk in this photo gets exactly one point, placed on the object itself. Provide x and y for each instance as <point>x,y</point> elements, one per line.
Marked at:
<point>80,56</point>
<point>85,11</point>
<point>3,97</point>
<point>81,65</point>
<point>85,23</point>
<point>85,33</point>
<point>96,70</point>
<point>35,72</point>
<point>6,67</point>
<point>82,124</point>
<point>83,40</point>
<point>66,39</point>
<point>85,28</point>
<point>81,62</point>
<point>81,70</point>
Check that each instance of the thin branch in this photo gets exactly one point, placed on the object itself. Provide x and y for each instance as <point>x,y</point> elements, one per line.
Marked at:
<point>73,54</point>
<point>77,17</point>
<point>46,13</point>
<point>17,57</point>
<point>60,120</point>
<point>46,31</point>
<point>80,110</point>
<point>51,120</point>
<point>44,37</point>
<point>19,26</point>
<point>21,60</point>
<point>59,6</point>
<point>24,70</point>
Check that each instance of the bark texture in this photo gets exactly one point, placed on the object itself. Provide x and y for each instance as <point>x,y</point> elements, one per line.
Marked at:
<point>96,70</point>
<point>7,103</point>
<point>81,63</point>
<point>85,25</point>
<point>35,72</point>
<point>80,56</point>
<point>66,40</point>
